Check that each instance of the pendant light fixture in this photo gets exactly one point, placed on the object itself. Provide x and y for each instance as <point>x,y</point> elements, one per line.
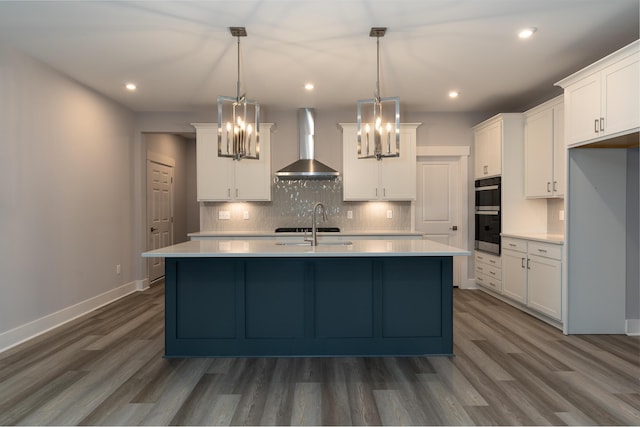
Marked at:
<point>238,119</point>
<point>378,118</point>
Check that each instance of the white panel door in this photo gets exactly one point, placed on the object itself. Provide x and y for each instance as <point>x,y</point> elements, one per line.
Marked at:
<point>159,213</point>
<point>437,205</point>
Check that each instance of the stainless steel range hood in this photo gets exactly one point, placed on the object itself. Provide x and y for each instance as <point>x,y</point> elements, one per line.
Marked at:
<point>307,167</point>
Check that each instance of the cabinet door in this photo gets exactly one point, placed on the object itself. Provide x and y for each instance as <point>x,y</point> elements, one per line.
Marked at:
<point>621,96</point>
<point>538,154</point>
<point>582,109</point>
<point>253,177</point>
<point>488,151</point>
<point>514,275</point>
<point>360,176</point>
<point>398,174</point>
<point>214,175</point>
<point>544,291</point>
<point>559,150</point>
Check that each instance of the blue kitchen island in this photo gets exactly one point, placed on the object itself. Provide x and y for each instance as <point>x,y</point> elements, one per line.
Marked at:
<point>265,298</point>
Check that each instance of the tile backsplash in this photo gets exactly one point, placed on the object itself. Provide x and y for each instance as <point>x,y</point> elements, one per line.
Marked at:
<point>291,204</point>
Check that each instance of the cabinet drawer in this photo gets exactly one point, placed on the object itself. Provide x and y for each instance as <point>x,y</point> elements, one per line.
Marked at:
<point>489,282</point>
<point>489,259</point>
<point>489,270</point>
<point>547,250</point>
<point>514,244</point>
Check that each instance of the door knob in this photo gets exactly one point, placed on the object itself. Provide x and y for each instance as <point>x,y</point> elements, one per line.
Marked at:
<point>454,228</point>
<point>153,229</point>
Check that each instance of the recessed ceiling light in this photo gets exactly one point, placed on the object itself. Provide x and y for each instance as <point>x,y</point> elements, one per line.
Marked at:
<point>526,33</point>
<point>309,86</point>
<point>454,94</point>
<point>130,86</point>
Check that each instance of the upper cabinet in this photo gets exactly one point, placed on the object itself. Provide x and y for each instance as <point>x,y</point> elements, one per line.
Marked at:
<point>391,178</point>
<point>544,150</point>
<point>603,99</point>
<point>488,149</point>
<point>225,179</point>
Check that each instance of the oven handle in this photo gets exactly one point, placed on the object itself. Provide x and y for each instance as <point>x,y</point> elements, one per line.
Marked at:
<point>488,187</point>
<point>478,212</point>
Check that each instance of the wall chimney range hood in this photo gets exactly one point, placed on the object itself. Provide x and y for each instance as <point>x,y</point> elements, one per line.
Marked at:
<point>307,167</point>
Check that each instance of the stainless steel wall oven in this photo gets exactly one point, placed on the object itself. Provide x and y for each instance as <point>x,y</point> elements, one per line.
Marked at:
<point>488,215</point>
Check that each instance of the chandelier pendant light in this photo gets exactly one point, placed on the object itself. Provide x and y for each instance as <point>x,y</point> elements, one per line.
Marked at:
<point>238,119</point>
<point>378,118</point>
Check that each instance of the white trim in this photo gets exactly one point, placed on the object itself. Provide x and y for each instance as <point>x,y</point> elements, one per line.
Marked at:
<point>632,327</point>
<point>451,150</point>
<point>20,334</point>
<point>161,159</point>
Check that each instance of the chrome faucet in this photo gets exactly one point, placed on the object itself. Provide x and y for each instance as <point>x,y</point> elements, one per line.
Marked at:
<point>314,228</point>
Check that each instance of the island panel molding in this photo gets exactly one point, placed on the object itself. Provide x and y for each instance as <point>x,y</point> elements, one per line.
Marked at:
<point>305,306</point>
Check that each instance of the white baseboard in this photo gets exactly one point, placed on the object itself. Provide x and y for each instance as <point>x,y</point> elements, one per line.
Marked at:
<point>632,327</point>
<point>30,330</point>
<point>470,283</point>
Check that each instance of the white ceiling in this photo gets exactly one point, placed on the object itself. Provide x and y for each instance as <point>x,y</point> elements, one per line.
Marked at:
<point>182,56</point>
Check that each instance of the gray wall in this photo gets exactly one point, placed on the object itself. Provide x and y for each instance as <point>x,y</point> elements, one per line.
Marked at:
<point>185,206</point>
<point>633,234</point>
<point>66,199</point>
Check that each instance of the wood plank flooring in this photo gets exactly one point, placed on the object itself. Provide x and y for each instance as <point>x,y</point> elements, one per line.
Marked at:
<point>510,369</point>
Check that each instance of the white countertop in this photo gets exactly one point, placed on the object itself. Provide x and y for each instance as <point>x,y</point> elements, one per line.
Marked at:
<point>263,234</point>
<point>557,239</point>
<point>271,248</point>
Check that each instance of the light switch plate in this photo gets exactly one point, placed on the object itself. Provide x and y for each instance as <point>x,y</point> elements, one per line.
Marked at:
<point>389,214</point>
<point>349,214</point>
<point>245,214</point>
<point>224,215</point>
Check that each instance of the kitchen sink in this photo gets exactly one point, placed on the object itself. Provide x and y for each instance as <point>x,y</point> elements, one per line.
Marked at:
<point>321,243</point>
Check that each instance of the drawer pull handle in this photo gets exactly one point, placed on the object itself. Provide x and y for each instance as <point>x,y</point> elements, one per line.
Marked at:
<point>492,273</point>
<point>542,250</point>
<point>492,261</point>
<point>513,245</point>
<point>528,268</point>
<point>522,262</point>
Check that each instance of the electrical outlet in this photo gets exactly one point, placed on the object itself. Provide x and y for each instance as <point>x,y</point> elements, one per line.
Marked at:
<point>224,215</point>
<point>245,214</point>
<point>118,270</point>
<point>389,214</point>
<point>561,215</point>
<point>349,214</point>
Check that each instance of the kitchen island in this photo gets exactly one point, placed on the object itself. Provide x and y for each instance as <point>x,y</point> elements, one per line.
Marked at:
<point>274,298</point>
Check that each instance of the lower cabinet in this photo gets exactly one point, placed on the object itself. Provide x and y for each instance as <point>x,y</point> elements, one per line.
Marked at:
<point>532,275</point>
<point>488,271</point>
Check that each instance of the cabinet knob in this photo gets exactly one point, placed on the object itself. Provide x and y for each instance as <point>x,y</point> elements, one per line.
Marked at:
<point>153,229</point>
<point>454,228</point>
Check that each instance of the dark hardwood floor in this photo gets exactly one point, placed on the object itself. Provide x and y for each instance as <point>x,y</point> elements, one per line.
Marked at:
<point>509,369</point>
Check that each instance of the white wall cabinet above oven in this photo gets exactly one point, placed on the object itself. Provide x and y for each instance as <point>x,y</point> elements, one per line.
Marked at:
<point>488,150</point>
<point>392,178</point>
<point>603,99</point>
<point>225,179</point>
<point>544,150</point>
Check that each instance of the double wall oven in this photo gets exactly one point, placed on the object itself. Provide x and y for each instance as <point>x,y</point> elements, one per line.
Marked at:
<point>488,215</point>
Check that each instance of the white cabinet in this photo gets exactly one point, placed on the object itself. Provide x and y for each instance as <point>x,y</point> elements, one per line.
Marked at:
<point>391,178</point>
<point>603,99</point>
<point>488,271</point>
<point>544,150</point>
<point>514,273</point>
<point>488,149</point>
<point>532,275</point>
<point>225,179</point>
